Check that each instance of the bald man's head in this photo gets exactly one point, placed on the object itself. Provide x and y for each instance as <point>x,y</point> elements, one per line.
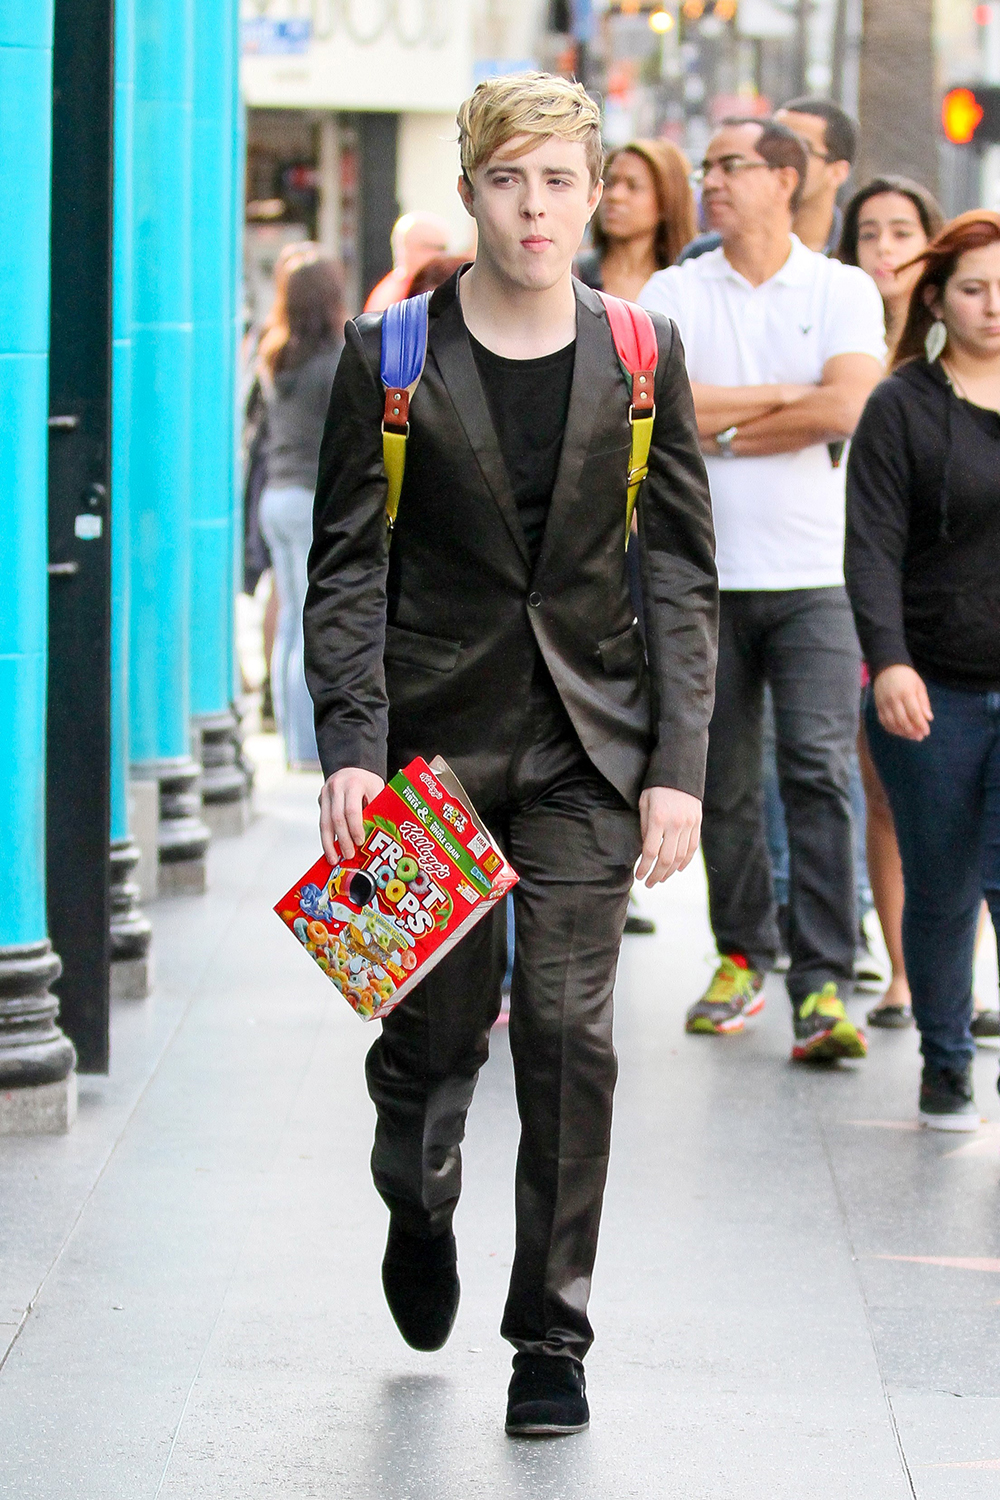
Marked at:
<point>416,239</point>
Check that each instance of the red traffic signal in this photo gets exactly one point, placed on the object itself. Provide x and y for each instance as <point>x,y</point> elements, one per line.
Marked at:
<point>970,114</point>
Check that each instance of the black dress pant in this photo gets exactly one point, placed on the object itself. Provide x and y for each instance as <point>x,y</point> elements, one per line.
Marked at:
<point>802,642</point>
<point>573,841</point>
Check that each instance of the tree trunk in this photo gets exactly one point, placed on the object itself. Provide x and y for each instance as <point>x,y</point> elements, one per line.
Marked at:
<point>898,93</point>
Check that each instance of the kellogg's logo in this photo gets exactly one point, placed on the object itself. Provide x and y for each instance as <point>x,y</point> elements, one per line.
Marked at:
<point>426,850</point>
<point>428,781</point>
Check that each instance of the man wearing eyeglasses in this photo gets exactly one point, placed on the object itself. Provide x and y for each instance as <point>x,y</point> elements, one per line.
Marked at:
<point>783,347</point>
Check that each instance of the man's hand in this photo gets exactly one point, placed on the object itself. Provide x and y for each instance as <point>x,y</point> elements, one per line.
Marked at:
<point>671,826</point>
<point>902,702</point>
<point>342,802</point>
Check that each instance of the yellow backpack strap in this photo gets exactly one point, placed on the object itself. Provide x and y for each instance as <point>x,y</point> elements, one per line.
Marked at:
<point>635,344</point>
<point>404,350</point>
<point>638,460</point>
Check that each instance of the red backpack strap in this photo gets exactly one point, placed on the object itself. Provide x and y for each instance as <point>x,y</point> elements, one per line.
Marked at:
<point>635,341</point>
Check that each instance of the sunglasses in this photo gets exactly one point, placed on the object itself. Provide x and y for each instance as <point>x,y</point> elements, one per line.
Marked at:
<point>731,166</point>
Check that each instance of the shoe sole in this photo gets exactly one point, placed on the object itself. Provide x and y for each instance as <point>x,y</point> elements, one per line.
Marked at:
<point>707,1027</point>
<point>842,1040</point>
<point>544,1429</point>
<point>957,1123</point>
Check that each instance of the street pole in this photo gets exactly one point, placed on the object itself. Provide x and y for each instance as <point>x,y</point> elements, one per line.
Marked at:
<point>225,783</point>
<point>78,748</point>
<point>160,458</point>
<point>37,1082</point>
<point>131,964</point>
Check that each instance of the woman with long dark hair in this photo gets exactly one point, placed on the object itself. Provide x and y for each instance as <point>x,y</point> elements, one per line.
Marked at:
<point>297,360</point>
<point>923,538</point>
<point>644,220</point>
<point>887,223</point>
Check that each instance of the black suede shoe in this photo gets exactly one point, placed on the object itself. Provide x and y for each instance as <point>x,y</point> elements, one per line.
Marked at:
<point>546,1396</point>
<point>420,1281</point>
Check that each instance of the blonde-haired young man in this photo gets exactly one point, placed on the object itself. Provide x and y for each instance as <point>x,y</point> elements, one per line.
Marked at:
<point>499,632</point>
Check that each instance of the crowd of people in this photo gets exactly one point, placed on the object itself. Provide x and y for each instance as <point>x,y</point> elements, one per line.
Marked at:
<point>844,368</point>
<point>783,351</point>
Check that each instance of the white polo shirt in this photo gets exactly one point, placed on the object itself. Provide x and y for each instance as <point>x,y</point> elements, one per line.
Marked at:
<point>779,519</point>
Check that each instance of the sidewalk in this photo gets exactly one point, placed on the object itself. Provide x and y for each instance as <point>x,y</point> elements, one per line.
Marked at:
<point>797,1295</point>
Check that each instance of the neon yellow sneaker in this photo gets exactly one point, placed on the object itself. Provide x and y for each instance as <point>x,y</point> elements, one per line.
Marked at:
<point>823,1031</point>
<point>734,994</point>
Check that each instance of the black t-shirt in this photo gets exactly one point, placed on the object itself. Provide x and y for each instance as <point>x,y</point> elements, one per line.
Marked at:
<point>528,401</point>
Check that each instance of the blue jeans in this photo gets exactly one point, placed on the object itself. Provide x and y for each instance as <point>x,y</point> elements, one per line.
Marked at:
<point>286,521</point>
<point>944,792</point>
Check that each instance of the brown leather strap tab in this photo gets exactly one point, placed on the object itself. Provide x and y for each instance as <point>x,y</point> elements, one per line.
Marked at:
<point>642,391</point>
<point>397,407</point>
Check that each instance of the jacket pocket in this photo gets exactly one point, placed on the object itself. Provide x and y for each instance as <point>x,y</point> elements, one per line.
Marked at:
<point>622,653</point>
<point>433,652</point>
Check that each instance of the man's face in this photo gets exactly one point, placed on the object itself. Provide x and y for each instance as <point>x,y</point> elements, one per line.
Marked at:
<point>822,175</point>
<point>739,188</point>
<point>532,209</point>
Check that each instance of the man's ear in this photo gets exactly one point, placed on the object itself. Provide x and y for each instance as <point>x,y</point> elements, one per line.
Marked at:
<point>465,193</point>
<point>840,171</point>
<point>789,179</point>
<point>595,198</point>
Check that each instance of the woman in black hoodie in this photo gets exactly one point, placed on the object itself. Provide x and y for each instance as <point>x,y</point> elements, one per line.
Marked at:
<point>923,574</point>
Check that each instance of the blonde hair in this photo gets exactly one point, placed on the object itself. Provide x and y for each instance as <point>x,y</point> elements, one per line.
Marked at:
<point>535,105</point>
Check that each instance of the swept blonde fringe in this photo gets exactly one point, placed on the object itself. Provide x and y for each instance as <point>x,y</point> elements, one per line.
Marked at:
<point>535,105</point>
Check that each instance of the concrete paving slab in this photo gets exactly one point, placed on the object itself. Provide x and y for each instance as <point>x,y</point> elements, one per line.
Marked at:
<point>201,1258</point>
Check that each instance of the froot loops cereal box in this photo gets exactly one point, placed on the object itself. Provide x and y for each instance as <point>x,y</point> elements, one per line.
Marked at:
<point>427,872</point>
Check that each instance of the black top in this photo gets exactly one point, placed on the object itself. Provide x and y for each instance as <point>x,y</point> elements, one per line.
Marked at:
<point>297,402</point>
<point>529,403</point>
<point>923,530</point>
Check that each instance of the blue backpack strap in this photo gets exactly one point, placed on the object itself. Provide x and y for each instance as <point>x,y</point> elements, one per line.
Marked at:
<point>404,351</point>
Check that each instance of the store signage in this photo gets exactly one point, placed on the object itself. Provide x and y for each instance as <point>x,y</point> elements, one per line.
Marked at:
<point>264,37</point>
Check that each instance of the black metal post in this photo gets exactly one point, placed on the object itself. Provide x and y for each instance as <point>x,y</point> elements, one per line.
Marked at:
<point>79,685</point>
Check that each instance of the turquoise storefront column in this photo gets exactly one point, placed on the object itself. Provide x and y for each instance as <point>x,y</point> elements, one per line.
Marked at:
<point>160,423</point>
<point>36,1060</point>
<point>213,487</point>
<point>130,929</point>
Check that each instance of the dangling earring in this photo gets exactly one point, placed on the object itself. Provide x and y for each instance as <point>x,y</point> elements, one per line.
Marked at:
<point>937,337</point>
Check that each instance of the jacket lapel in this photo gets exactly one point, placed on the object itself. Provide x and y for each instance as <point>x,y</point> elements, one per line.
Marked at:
<point>448,345</point>
<point>593,389</point>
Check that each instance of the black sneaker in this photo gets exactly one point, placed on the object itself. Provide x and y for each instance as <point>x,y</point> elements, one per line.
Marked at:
<point>985,1025</point>
<point>420,1281</point>
<point>946,1101</point>
<point>546,1397</point>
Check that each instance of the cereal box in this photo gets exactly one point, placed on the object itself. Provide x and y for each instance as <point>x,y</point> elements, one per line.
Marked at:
<point>427,872</point>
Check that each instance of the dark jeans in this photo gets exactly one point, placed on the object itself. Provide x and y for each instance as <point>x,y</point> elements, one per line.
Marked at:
<point>777,833</point>
<point>802,643</point>
<point>573,841</point>
<point>944,792</point>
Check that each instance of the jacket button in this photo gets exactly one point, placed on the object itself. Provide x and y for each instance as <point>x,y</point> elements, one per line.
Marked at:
<point>534,600</point>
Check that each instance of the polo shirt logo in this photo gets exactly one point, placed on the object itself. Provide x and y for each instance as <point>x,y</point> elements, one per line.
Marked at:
<point>806,327</point>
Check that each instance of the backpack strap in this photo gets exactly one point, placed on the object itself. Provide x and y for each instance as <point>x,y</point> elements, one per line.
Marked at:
<point>635,342</point>
<point>404,351</point>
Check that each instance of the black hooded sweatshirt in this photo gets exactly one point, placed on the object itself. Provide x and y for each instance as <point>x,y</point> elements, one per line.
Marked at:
<point>923,531</point>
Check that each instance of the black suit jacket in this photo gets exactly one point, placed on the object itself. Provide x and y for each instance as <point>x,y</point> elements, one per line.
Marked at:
<point>430,647</point>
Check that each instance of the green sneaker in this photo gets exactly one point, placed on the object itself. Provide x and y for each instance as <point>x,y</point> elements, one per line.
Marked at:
<point>734,994</point>
<point>823,1031</point>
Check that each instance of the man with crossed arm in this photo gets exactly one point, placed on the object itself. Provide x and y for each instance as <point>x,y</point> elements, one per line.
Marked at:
<point>783,348</point>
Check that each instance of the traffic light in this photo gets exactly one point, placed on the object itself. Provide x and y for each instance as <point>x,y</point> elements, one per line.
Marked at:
<point>970,114</point>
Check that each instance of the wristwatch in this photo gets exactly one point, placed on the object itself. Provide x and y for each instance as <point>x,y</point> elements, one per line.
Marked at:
<point>725,441</point>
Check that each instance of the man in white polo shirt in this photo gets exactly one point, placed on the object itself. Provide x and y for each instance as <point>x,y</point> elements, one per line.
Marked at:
<point>783,347</point>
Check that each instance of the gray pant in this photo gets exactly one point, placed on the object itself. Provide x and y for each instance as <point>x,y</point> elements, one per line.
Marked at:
<point>573,842</point>
<point>802,642</point>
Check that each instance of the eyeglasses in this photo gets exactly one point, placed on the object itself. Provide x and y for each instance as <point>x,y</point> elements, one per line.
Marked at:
<point>731,166</point>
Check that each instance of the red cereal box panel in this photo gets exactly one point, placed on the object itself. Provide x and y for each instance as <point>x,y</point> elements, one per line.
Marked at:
<point>427,871</point>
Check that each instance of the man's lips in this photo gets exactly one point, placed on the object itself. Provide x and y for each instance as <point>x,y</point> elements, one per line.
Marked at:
<point>536,242</point>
